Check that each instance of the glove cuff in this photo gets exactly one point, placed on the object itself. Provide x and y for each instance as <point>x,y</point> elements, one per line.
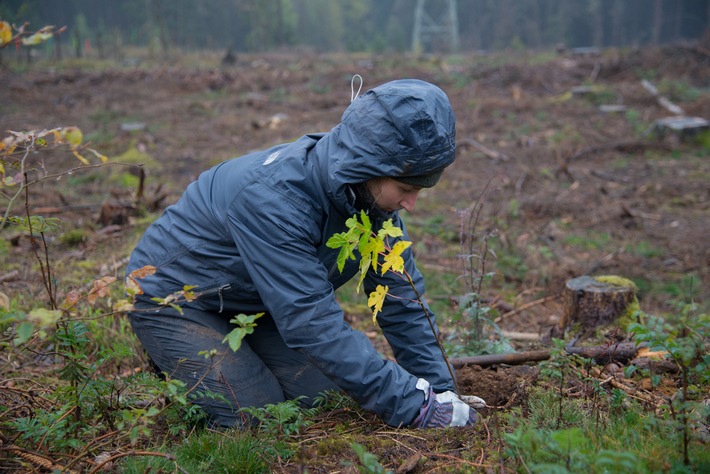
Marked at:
<point>426,411</point>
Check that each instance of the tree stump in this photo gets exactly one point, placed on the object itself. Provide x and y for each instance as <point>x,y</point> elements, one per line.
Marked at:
<point>598,302</point>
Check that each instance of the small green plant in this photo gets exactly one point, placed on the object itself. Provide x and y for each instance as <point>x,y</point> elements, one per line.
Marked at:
<point>245,325</point>
<point>483,336</point>
<point>283,418</point>
<point>684,342</point>
<point>369,464</point>
<point>279,421</point>
<point>207,451</point>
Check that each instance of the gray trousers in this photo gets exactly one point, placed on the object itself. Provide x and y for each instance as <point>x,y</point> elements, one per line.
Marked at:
<point>263,371</point>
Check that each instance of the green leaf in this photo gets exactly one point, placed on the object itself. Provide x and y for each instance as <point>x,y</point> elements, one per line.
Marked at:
<point>389,230</point>
<point>246,325</point>
<point>24,332</point>
<point>569,440</point>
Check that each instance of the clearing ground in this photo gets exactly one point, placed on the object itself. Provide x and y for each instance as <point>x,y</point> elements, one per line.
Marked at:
<point>561,185</point>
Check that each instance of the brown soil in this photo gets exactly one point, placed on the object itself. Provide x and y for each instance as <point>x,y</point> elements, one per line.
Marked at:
<point>563,188</point>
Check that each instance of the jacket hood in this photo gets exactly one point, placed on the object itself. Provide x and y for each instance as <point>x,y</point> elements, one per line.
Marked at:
<point>404,128</point>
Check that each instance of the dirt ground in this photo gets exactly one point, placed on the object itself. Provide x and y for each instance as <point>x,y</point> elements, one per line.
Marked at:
<point>564,189</point>
<point>568,189</point>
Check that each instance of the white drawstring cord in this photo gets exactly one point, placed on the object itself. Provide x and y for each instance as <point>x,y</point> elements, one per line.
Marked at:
<point>353,94</point>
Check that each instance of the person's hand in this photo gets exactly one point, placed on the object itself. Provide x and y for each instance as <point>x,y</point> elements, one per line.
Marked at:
<point>441,410</point>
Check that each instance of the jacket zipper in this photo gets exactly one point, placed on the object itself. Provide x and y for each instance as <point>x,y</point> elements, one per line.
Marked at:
<point>219,291</point>
<point>221,300</point>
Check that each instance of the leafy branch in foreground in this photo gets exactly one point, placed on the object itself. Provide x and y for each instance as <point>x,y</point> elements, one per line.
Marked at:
<point>22,36</point>
<point>370,246</point>
<point>16,148</point>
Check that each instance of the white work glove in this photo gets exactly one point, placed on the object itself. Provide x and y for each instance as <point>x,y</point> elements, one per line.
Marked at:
<point>441,410</point>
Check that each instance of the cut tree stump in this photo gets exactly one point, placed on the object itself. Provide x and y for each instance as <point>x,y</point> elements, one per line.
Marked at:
<point>597,302</point>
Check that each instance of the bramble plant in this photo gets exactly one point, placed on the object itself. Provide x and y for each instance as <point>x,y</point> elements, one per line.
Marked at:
<point>16,148</point>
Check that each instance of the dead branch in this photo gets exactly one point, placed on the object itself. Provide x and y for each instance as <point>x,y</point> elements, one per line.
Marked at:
<point>624,147</point>
<point>662,101</point>
<point>521,336</point>
<point>9,276</point>
<point>60,209</point>
<point>490,153</point>
<point>632,392</point>
<point>37,459</point>
<point>512,358</point>
<point>525,306</point>
<point>621,352</point>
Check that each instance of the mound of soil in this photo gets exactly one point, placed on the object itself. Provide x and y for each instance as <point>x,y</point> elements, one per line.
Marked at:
<point>501,387</point>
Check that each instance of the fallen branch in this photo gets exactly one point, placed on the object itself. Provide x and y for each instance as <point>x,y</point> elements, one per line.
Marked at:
<point>37,459</point>
<point>490,153</point>
<point>633,392</point>
<point>521,336</point>
<point>662,101</point>
<point>9,276</point>
<point>525,306</point>
<point>621,352</point>
<point>623,147</point>
<point>512,358</point>
<point>60,209</point>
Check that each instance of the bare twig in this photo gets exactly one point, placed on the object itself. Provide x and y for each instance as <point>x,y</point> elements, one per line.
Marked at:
<point>525,306</point>
<point>490,153</point>
<point>9,276</point>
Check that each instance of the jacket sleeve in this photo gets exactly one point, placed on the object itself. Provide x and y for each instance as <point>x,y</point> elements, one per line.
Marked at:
<point>276,239</point>
<point>405,324</point>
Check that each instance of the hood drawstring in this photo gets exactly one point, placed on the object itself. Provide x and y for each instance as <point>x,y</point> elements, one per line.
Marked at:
<point>354,95</point>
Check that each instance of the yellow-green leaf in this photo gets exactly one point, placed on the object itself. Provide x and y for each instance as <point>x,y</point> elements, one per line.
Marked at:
<point>389,230</point>
<point>123,306</point>
<point>371,250</point>
<point>98,155</point>
<point>79,157</point>
<point>188,292</point>
<point>33,40</point>
<point>376,300</point>
<point>393,259</point>
<point>5,33</point>
<point>73,136</point>
<point>44,317</point>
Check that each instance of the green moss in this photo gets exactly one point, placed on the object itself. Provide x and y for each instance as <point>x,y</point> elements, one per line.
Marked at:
<point>73,237</point>
<point>330,446</point>
<point>632,313</point>
<point>134,156</point>
<point>616,280</point>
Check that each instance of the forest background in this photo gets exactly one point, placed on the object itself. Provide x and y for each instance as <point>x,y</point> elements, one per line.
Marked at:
<point>104,28</point>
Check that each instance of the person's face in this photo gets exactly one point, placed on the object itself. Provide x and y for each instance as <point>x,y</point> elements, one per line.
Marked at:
<point>391,195</point>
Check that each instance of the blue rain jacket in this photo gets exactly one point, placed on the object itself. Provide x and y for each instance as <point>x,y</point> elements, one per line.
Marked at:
<point>251,234</point>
